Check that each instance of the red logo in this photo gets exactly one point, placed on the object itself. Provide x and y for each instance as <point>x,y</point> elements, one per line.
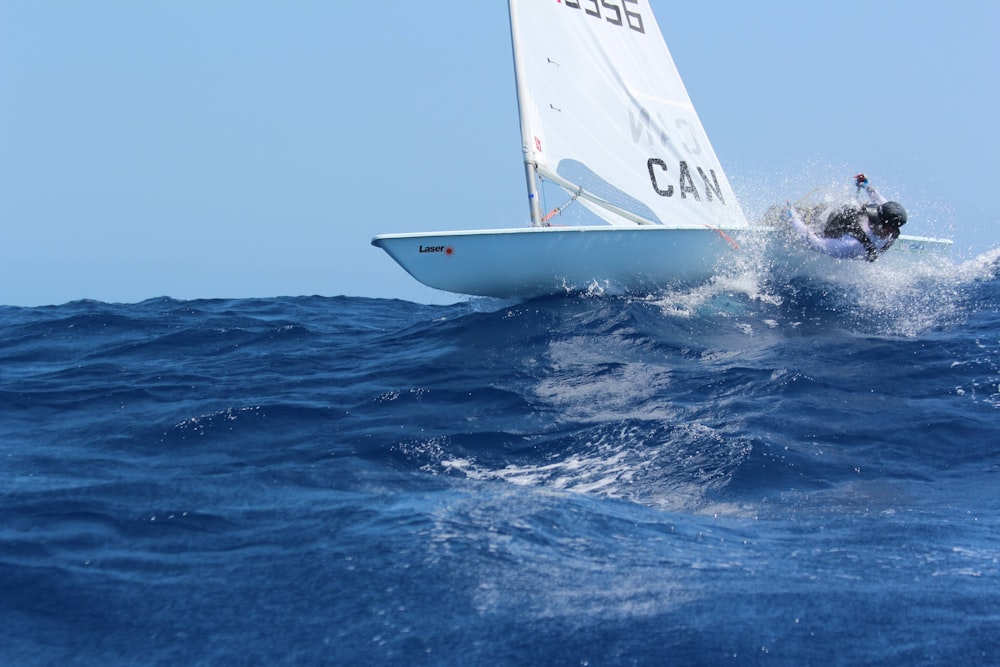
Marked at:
<point>538,144</point>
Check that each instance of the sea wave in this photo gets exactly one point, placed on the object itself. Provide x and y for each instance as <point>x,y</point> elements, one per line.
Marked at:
<point>560,480</point>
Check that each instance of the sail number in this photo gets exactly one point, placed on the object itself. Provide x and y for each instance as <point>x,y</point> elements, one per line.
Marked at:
<point>615,12</point>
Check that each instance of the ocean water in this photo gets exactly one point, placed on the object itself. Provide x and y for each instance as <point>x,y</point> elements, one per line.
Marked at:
<point>771,469</point>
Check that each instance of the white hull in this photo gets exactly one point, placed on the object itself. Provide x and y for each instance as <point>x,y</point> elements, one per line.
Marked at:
<point>540,261</point>
<point>913,247</point>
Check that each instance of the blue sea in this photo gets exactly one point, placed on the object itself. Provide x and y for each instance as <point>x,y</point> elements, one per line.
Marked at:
<point>769,469</point>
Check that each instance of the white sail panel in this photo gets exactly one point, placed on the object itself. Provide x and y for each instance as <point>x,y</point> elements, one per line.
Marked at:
<point>603,109</point>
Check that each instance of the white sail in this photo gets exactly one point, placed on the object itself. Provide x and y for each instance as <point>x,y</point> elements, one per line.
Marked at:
<point>604,114</point>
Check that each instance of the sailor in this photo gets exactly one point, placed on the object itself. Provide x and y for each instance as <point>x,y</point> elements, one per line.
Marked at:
<point>852,231</point>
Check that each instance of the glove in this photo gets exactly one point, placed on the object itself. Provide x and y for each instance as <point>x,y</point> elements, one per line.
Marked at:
<point>861,180</point>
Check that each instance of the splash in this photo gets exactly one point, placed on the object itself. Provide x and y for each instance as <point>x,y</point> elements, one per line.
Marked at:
<point>905,293</point>
<point>982,268</point>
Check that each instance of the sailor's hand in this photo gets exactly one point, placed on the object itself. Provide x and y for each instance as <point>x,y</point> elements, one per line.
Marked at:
<point>861,180</point>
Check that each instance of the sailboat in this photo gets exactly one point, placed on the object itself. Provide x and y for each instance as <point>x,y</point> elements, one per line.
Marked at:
<point>604,116</point>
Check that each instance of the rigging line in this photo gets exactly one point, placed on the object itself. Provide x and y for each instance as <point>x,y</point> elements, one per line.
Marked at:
<point>542,205</point>
<point>559,209</point>
<point>725,236</point>
<point>804,197</point>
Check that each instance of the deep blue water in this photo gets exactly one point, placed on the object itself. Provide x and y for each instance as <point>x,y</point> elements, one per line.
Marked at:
<point>768,470</point>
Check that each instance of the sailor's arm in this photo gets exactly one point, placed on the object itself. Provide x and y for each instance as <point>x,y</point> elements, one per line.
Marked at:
<point>874,196</point>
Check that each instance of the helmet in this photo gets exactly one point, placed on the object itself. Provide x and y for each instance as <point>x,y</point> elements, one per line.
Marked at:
<point>892,213</point>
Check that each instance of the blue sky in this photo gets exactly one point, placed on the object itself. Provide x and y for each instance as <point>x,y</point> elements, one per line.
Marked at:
<point>252,149</point>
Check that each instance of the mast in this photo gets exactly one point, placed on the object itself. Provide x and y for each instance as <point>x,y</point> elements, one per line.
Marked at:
<point>530,167</point>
